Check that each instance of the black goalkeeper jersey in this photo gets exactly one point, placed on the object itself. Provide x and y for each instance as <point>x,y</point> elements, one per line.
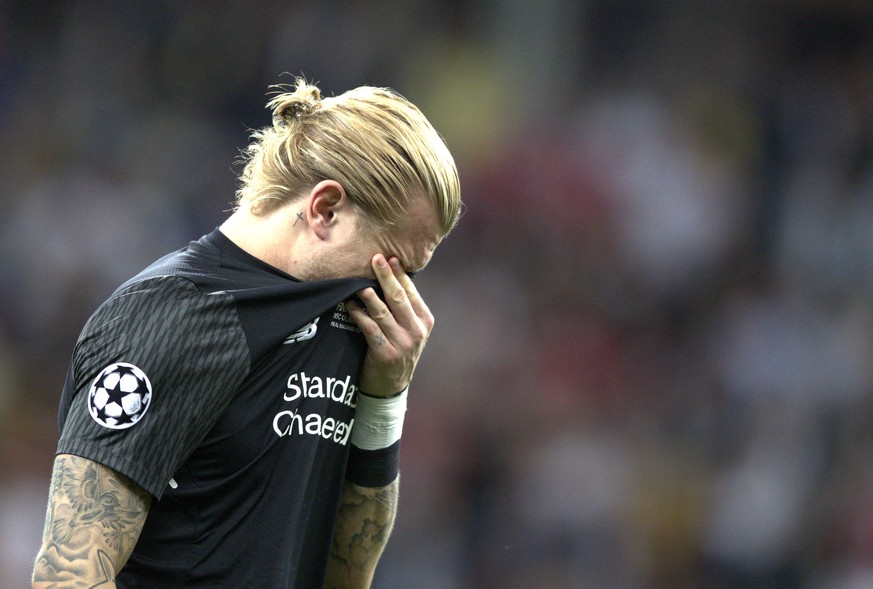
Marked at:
<point>226,389</point>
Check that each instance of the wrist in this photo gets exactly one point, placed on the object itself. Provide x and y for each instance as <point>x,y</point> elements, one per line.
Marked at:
<point>379,419</point>
<point>374,458</point>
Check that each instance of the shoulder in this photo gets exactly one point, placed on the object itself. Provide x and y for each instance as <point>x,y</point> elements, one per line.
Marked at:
<point>153,302</point>
<point>161,320</point>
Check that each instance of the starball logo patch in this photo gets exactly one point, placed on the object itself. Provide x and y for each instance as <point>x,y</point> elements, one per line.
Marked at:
<point>120,396</point>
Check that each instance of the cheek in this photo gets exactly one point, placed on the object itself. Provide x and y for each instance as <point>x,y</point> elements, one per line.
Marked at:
<point>355,264</point>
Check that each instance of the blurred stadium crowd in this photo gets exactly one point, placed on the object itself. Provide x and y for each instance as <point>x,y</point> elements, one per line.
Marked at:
<point>652,361</point>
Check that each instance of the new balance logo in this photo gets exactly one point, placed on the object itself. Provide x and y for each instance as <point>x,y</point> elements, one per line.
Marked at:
<point>304,333</point>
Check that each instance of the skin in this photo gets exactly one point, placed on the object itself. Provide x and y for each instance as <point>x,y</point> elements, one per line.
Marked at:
<point>364,522</point>
<point>93,521</point>
<point>95,515</point>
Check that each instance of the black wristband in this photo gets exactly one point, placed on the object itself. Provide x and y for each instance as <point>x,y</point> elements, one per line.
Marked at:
<point>391,396</point>
<point>373,468</point>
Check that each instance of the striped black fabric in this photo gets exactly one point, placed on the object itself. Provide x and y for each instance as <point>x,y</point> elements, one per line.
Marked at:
<point>192,349</point>
<point>245,437</point>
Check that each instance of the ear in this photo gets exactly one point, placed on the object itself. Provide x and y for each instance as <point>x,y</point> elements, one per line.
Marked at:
<point>326,202</point>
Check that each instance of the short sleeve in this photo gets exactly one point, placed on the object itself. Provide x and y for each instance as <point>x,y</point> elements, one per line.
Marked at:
<point>153,370</point>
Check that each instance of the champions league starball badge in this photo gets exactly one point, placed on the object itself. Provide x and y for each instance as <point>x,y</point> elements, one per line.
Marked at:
<point>120,396</point>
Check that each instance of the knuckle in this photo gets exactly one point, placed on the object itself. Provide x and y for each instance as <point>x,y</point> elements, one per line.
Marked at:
<point>417,335</point>
<point>381,314</point>
<point>398,295</point>
<point>424,328</point>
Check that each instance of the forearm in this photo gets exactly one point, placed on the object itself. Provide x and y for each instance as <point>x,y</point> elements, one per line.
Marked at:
<point>93,521</point>
<point>364,522</point>
<point>92,569</point>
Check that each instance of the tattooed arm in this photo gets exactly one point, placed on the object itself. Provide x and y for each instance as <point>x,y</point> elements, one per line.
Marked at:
<point>93,521</point>
<point>363,525</point>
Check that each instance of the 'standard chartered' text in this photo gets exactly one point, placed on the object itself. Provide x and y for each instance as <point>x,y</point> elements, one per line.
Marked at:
<point>301,386</point>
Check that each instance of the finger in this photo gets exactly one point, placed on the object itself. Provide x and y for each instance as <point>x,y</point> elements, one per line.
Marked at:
<point>418,305</point>
<point>375,307</point>
<point>369,327</point>
<point>395,294</point>
<point>400,334</point>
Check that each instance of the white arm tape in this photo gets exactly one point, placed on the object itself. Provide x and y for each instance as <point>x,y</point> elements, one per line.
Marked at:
<point>378,422</point>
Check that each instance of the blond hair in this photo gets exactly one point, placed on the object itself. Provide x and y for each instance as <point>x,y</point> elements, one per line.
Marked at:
<point>374,142</point>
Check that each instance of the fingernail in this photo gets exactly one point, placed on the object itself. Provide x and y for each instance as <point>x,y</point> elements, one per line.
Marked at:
<point>380,261</point>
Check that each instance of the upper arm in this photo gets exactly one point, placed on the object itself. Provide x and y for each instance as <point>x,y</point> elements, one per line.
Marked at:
<point>188,354</point>
<point>93,521</point>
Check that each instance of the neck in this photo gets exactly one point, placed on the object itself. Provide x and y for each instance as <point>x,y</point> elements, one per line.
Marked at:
<point>267,237</point>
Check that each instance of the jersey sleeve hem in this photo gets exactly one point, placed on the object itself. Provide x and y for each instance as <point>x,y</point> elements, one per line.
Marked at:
<point>111,459</point>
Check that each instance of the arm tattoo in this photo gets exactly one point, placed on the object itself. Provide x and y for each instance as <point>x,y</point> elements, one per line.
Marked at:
<point>93,521</point>
<point>364,522</point>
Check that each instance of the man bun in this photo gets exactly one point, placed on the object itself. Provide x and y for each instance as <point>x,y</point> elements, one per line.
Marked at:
<point>292,105</point>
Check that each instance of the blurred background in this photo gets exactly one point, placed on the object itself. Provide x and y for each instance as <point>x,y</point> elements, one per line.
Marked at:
<point>652,360</point>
